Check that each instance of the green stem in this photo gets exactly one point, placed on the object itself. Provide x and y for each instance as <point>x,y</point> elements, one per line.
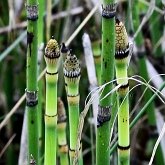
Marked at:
<point>150,110</point>
<point>143,72</point>
<point>62,141</point>
<point>40,83</point>
<point>48,18</point>
<point>107,74</point>
<point>156,28</point>
<point>31,73</point>
<point>72,78</point>
<point>140,114</point>
<point>52,58</point>
<point>121,61</point>
<point>97,58</point>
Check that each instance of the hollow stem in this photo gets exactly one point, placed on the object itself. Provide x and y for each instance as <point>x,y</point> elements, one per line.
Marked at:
<point>104,126</point>
<point>72,78</point>
<point>61,127</point>
<point>121,64</point>
<point>31,83</point>
<point>52,58</point>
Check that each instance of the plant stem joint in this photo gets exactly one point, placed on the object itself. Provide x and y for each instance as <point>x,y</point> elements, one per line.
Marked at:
<point>109,11</point>
<point>120,54</point>
<point>31,98</point>
<point>32,12</point>
<point>63,148</point>
<point>103,115</point>
<point>123,147</point>
<point>51,73</point>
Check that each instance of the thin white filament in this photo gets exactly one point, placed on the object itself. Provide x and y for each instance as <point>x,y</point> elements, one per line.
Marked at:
<point>156,144</point>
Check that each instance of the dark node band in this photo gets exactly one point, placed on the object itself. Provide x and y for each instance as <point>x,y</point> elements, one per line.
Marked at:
<point>72,95</point>
<point>64,145</point>
<point>31,98</point>
<point>104,115</point>
<point>97,57</point>
<point>51,54</point>
<point>51,73</point>
<point>109,11</point>
<point>64,148</point>
<point>123,86</point>
<point>50,116</point>
<point>123,147</point>
<point>153,132</point>
<point>62,119</point>
<point>32,12</point>
<point>73,150</point>
<point>120,54</point>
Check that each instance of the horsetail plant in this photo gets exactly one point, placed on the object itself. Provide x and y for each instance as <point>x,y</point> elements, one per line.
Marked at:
<point>144,73</point>
<point>121,64</point>
<point>72,78</point>
<point>61,128</point>
<point>104,125</point>
<point>52,55</point>
<point>40,83</point>
<point>31,83</point>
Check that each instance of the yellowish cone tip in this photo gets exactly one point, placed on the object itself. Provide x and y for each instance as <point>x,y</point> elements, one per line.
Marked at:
<point>121,36</point>
<point>52,50</point>
<point>61,111</point>
<point>71,66</point>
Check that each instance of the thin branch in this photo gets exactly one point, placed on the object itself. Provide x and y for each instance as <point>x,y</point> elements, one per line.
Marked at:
<point>7,145</point>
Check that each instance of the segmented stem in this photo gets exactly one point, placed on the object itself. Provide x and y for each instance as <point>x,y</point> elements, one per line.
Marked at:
<point>31,83</point>
<point>121,64</point>
<point>61,127</point>
<point>107,74</point>
<point>72,78</point>
<point>52,58</point>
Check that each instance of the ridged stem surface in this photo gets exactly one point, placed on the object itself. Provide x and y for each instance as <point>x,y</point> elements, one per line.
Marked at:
<point>72,78</point>
<point>61,128</point>
<point>31,83</point>
<point>144,73</point>
<point>121,64</point>
<point>107,74</point>
<point>52,59</point>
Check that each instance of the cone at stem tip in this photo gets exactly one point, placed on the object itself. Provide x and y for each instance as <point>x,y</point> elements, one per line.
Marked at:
<point>52,49</point>
<point>71,66</point>
<point>121,36</point>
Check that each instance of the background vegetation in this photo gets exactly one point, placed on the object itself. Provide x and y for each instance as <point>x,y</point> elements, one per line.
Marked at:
<point>144,21</point>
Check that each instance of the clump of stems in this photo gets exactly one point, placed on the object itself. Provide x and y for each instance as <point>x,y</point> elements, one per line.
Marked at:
<point>31,83</point>
<point>72,78</point>
<point>52,55</point>
<point>121,64</point>
<point>144,73</point>
<point>61,128</point>
<point>107,74</point>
